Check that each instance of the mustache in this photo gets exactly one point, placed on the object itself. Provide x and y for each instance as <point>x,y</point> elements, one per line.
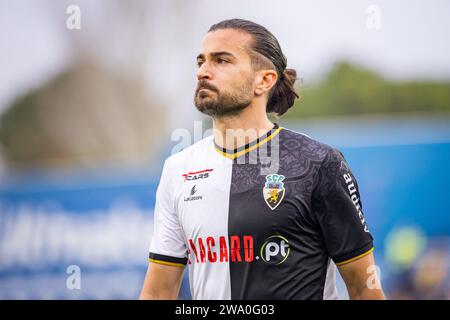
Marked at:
<point>202,84</point>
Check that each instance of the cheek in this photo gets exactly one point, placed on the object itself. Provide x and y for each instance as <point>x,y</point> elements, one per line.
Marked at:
<point>234,79</point>
<point>242,81</point>
<point>247,83</point>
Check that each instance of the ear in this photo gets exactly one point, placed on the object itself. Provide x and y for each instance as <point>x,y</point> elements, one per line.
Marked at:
<point>264,81</point>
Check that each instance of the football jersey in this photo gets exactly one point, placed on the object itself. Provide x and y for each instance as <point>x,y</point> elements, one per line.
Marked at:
<point>269,220</point>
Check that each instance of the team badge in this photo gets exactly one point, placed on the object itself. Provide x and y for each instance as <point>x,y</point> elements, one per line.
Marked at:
<point>273,190</point>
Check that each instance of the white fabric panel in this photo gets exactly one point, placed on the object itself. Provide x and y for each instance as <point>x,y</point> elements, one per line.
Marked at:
<point>330,289</point>
<point>197,218</point>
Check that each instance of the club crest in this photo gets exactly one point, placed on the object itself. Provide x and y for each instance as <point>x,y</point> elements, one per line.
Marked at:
<point>273,190</point>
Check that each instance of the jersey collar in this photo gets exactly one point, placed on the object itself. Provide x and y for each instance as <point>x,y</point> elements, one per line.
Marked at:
<point>233,154</point>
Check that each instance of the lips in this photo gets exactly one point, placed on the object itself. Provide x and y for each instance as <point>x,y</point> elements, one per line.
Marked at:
<point>203,93</point>
<point>205,86</point>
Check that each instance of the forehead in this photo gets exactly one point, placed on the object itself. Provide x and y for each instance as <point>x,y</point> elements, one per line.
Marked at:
<point>229,40</point>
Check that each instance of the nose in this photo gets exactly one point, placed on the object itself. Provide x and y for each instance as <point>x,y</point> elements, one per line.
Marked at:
<point>203,72</point>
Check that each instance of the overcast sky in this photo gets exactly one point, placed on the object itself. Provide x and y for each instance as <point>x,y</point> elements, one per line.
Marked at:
<point>412,41</point>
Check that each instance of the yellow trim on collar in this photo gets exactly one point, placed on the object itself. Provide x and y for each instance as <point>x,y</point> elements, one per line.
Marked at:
<point>242,152</point>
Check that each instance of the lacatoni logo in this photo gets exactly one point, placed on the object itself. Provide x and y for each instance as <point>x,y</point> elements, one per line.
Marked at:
<point>203,174</point>
<point>193,195</point>
<point>274,250</point>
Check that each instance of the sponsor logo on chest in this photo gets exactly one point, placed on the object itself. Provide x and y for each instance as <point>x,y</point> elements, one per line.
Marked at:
<point>274,250</point>
<point>197,175</point>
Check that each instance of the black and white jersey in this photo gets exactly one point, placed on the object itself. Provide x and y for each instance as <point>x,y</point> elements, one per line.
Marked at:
<point>270,220</point>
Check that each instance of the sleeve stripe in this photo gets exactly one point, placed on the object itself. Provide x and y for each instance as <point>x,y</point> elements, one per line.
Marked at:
<point>355,258</point>
<point>167,263</point>
<point>155,257</point>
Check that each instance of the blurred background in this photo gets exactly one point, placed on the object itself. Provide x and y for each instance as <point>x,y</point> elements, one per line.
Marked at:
<point>93,93</point>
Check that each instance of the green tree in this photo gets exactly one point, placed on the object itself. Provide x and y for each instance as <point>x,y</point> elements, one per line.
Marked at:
<point>349,89</point>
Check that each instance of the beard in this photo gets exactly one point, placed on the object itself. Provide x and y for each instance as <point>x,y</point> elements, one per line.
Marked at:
<point>215,103</point>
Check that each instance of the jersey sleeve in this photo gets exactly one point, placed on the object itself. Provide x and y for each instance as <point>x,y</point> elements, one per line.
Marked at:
<point>337,205</point>
<point>167,245</point>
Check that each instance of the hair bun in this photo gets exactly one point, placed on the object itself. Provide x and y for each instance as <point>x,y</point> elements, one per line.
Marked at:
<point>291,75</point>
<point>283,95</point>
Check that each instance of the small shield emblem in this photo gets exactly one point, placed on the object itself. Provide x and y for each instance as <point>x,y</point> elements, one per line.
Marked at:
<point>273,190</point>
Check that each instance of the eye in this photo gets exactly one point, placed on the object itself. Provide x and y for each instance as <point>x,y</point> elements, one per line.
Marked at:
<point>221,61</point>
<point>199,63</point>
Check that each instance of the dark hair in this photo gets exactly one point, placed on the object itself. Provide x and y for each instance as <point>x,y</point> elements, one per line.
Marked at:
<point>282,94</point>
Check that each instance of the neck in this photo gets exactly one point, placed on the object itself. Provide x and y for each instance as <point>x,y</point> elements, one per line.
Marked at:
<point>235,131</point>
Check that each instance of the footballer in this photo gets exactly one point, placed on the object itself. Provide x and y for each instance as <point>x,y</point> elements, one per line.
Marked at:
<point>256,211</point>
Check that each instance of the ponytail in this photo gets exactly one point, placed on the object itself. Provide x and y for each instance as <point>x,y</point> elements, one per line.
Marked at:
<point>283,94</point>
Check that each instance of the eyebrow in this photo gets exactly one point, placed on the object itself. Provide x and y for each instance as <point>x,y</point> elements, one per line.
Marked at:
<point>216,54</point>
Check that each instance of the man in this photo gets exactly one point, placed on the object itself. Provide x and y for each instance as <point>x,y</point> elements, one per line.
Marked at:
<point>256,211</point>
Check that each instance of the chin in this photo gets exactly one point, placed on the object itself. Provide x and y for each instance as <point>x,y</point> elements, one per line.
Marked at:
<point>204,105</point>
<point>205,102</point>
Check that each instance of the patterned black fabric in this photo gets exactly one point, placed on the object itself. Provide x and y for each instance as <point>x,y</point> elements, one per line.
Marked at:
<point>301,206</point>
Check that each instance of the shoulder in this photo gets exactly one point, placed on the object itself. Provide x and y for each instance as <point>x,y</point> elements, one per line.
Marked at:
<point>305,156</point>
<point>304,146</point>
<point>190,153</point>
